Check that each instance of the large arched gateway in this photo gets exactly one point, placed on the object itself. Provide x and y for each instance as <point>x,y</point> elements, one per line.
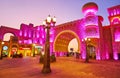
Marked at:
<point>4,30</point>
<point>62,41</point>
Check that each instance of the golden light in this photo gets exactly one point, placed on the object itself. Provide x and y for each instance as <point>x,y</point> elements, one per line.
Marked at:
<point>89,39</point>
<point>85,39</point>
<point>3,42</point>
<point>44,22</point>
<point>33,44</point>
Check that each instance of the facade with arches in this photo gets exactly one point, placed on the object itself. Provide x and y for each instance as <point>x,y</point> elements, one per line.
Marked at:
<point>102,42</point>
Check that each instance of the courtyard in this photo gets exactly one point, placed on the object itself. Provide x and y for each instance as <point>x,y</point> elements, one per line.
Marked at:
<point>64,67</point>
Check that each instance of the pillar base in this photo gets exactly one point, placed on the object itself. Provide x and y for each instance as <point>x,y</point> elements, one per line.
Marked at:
<point>46,70</point>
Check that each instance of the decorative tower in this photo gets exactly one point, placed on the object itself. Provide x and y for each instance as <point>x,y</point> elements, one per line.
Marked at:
<point>91,20</point>
<point>91,28</point>
<point>114,15</point>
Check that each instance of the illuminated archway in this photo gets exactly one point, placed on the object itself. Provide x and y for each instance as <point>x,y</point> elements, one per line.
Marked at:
<point>92,51</point>
<point>94,48</point>
<point>14,49</point>
<point>62,40</point>
<point>4,30</point>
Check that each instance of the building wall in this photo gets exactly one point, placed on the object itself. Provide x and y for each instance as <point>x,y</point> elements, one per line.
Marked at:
<point>107,37</point>
<point>114,19</point>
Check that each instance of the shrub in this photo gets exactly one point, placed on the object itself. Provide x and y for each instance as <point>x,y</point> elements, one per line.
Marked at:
<point>52,58</point>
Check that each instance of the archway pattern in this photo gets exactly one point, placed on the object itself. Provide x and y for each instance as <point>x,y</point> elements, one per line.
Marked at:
<point>64,33</point>
<point>62,41</point>
<point>4,30</point>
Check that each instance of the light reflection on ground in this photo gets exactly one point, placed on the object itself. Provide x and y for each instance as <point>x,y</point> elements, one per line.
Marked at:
<point>65,67</point>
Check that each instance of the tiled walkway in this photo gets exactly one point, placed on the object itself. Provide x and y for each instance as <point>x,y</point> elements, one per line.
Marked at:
<point>65,67</point>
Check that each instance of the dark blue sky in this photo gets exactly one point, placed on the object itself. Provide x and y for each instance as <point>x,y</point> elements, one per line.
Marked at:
<point>15,12</point>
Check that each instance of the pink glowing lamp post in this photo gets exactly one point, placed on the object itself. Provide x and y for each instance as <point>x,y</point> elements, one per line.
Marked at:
<point>87,43</point>
<point>47,25</point>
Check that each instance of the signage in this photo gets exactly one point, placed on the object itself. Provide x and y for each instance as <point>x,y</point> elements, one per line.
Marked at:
<point>5,48</point>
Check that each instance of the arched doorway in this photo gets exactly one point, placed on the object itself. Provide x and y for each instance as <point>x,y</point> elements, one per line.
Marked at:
<point>8,38</point>
<point>62,41</point>
<point>92,51</point>
<point>14,50</point>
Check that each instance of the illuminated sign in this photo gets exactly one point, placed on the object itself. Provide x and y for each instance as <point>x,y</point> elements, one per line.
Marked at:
<point>27,48</point>
<point>5,48</point>
<point>38,46</point>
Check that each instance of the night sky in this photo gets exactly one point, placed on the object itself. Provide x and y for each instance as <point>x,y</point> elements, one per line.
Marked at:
<point>15,12</point>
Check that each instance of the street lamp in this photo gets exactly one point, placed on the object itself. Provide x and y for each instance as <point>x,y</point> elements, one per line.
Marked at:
<point>47,25</point>
<point>2,49</point>
<point>87,42</point>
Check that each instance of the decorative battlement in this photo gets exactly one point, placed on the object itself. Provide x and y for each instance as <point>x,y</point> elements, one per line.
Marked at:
<point>114,15</point>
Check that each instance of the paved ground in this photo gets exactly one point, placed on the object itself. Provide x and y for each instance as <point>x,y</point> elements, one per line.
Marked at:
<point>65,67</point>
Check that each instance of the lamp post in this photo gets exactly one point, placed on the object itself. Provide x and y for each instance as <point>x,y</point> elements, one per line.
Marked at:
<point>87,42</point>
<point>47,25</point>
<point>1,49</point>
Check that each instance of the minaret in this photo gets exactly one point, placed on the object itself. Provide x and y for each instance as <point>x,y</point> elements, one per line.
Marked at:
<point>91,20</point>
<point>91,29</point>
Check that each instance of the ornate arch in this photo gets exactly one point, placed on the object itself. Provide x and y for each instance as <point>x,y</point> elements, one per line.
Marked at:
<point>4,30</point>
<point>62,40</point>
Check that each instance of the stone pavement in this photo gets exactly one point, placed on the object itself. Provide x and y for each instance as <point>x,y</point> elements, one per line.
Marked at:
<point>65,67</point>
